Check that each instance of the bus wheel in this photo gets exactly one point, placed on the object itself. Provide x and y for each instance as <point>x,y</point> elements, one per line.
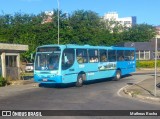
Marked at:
<point>118,75</point>
<point>79,82</point>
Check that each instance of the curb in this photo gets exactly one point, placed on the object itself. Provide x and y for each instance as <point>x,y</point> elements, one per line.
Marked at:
<point>135,95</point>
<point>147,69</point>
<point>23,83</point>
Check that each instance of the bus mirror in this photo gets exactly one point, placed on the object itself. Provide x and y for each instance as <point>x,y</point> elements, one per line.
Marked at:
<point>31,56</point>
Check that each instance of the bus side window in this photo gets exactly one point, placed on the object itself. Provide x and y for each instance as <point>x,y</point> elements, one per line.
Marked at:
<point>112,55</point>
<point>129,55</point>
<point>120,55</point>
<point>103,55</point>
<point>93,55</point>
<point>132,55</point>
<point>81,55</point>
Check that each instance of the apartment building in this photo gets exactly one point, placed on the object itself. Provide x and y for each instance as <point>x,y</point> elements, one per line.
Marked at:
<point>125,21</point>
<point>48,17</point>
<point>158,31</point>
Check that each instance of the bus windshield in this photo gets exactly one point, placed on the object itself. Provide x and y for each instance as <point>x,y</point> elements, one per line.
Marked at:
<point>47,61</point>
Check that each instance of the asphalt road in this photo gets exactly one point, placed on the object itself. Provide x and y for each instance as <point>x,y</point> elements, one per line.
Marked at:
<point>93,96</point>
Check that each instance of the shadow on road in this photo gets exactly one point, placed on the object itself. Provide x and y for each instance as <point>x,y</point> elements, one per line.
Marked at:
<point>44,85</point>
<point>27,77</point>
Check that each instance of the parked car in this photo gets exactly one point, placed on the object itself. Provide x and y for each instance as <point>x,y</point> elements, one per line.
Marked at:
<point>29,67</point>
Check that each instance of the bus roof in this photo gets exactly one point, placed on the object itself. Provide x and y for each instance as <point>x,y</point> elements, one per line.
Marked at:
<point>88,46</point>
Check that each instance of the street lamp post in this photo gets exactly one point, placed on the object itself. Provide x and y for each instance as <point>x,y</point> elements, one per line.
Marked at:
<point>155,90</point>
<point>58,20</point>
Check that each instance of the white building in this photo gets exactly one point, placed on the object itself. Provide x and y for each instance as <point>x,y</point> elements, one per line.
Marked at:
<point>48,17</point>
<point>158,31</point>
<point>125,21</point>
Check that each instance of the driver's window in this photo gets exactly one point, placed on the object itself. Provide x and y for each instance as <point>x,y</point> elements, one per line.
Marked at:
<point>67,58</point>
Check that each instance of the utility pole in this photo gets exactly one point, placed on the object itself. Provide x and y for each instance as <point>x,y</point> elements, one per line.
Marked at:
<point>58,20</point>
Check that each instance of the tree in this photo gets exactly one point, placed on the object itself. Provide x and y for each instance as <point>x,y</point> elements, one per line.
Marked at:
<point>79,27</point>
<point>85,26</point>
<point>139,33</point>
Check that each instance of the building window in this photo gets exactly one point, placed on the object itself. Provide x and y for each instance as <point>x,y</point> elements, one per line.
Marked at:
<point>142,55</point>
<point>147,55</point>
<point>11,61</point>
<point>137,55</point>
<point>158,54</point>
<point>127,22</point>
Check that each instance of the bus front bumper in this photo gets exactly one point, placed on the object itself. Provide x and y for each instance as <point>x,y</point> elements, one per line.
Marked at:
<point>55,79</point>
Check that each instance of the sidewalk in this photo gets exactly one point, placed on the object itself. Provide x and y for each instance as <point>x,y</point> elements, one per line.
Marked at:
<point>17,87</point>
<point>144,90</point>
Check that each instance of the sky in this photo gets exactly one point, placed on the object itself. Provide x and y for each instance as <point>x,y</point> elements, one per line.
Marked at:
<point>146,11</point>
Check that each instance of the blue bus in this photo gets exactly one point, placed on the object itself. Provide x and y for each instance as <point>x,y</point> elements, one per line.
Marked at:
<point>70,63</point>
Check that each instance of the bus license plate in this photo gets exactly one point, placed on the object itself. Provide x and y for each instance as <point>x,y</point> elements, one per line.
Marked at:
<point>45,79</point>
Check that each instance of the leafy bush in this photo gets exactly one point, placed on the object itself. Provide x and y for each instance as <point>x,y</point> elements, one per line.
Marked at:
<point>147,64</point>
<point>3,82</point>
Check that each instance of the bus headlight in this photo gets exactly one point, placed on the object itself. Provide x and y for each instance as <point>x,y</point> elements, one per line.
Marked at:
<point>38,75</point>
